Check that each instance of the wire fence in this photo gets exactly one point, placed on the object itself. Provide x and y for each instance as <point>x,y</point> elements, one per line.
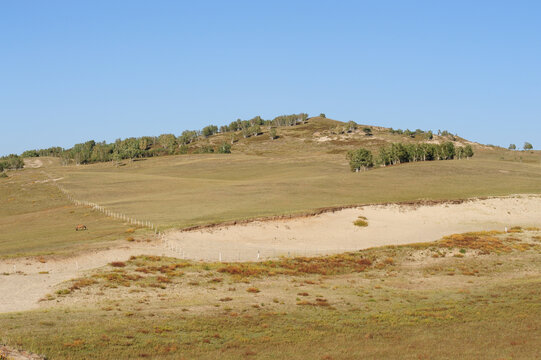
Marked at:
<point>107,212</point>
<point>186,251</point>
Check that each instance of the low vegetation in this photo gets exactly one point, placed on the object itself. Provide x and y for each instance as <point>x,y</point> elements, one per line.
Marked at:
<point>471,295</point>
<point>361,222</point>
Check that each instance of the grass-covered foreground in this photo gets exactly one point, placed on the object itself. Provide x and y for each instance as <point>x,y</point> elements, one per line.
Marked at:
<point>468,296</point>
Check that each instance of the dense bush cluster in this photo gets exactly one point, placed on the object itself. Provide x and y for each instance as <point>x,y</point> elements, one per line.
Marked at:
<point>11,162</point>
<point>165,144</point>
<point>397,153</point>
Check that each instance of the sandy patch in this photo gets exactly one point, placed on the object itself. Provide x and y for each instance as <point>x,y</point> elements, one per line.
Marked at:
<point>335,232</point>
<point>33,163</point>
<point>23,281</point>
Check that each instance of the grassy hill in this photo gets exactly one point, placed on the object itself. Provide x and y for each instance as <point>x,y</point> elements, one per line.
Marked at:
<point>302,170</point>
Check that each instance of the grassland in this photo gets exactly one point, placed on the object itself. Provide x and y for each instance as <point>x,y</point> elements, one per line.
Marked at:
<point>293,174</point>
<point>304,169</point>
<point>468,296</point>
<point>37,219</point>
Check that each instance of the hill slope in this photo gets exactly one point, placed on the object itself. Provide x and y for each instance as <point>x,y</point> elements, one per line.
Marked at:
<point>302,170</point>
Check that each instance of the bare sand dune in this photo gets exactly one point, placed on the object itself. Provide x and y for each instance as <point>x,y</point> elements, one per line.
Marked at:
<point>335,232</point>
<point>321,234</point>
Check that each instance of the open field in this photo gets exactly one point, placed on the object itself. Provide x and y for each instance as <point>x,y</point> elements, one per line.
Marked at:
<point>472,296</point>
<point>187,190</point>
<point>36,219</point>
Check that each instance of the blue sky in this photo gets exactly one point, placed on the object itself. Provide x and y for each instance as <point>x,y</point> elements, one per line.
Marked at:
<point>71,71</point>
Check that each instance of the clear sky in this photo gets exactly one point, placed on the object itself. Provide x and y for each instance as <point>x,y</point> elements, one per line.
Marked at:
<point>72,71</point>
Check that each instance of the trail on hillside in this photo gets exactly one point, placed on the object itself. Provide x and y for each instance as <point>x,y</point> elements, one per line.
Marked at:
<point>23,282</point>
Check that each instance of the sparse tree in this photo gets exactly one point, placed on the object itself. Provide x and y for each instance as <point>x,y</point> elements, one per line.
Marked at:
<point>367,131</point>
<point>225,148</point>
<point>168,142</point>
<point>468,151</point>
<point>322,115</point>
<point>272,133</point>
<point>352,125</point>
<point>512,147</point>
<point>360,159</point>
<point>209,130</point>
<point>255,130</point>
<point>528,146</point>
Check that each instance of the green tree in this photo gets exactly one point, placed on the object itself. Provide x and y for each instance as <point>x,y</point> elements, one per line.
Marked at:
<point>272,133</point>
<point>255,130</point>
<point>209,130</point>
<point>360,159</point>
<point>225,148</point>
<point>367,131</point>
<point>448,150</point>
<point>468,151</point>
<point>512,147</point>
<point>351,125</point>
<point>168,142</point>
<point>29,153</point>
<point>322,115</point>
<point>528,146</point>
<point>12,162</point>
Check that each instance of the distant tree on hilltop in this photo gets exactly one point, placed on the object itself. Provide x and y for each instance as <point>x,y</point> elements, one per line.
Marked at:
<point>512,147</point>
<point>528,146</point>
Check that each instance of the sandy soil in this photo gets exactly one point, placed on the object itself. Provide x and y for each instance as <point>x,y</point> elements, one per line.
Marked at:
<point>321,234</point>
<point>33,163</point>
<point>24,286</point>
<point>335,232</point>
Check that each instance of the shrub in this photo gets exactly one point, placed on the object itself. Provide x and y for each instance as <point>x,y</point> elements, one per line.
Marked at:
<point>224,149</point>
<point>252,290</point>
<point>272,134</point>
<point>361,221</point>
<point>118,264</point>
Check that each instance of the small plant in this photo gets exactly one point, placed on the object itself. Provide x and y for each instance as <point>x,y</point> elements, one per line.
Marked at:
<point>252,290</point>
<point>361,221</point>
<point>118,264</point>
<point>130,238</point>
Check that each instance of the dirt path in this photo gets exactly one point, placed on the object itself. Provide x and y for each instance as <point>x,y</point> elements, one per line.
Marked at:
<point>321,234</point>
<point>26,283</point>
